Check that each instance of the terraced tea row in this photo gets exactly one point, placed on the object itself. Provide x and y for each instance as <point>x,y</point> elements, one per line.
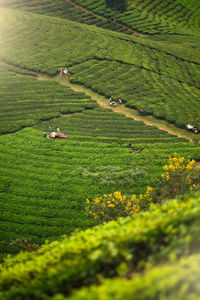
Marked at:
<point>103,123</point>
<point>120,249</point>
<point>164,97</point>
<point>153,17</point>
<point>66,10</point>
<point>67,43</point>
<point>42,195</point>
<point>148,75</point>
<point>25,101</point>
<point>43,189</point>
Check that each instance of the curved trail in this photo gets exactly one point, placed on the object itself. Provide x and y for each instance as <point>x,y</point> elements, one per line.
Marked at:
<point>118,110</point>
<point>129,113</point>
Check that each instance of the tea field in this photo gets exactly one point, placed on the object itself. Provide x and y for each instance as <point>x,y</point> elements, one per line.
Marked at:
<point>137,244</point>
<point>151,58</point>
<point>66,10</point>
<point>25,101</point>
<point>43,186</point>
<point>147,17</point>
<point>147,73</point>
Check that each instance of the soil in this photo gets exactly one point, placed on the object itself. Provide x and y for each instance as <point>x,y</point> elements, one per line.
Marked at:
<point>132,117</point>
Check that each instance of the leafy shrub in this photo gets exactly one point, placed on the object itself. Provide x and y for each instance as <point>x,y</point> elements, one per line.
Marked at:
<point>80,259</point>
<point>179,280</point>
<point>179,177</point>
<point>113,176</point>
<point>112,206</point>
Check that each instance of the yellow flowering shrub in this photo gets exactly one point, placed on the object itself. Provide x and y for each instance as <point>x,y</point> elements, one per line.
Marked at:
<point>112,206</point>
<point>179,177</point>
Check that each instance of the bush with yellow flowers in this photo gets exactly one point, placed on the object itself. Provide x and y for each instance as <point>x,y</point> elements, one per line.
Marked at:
<point>179,177</point>
<point>112,206</point>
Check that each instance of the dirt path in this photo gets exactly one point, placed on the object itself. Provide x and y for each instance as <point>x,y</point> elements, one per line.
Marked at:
<point>104,18</point>
<point>119,110</point>
<point>102,102</point>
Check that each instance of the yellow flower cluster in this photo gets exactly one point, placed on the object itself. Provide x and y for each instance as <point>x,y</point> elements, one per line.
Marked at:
<point>175,166</point>
<point>148,194</point>
<point>111,206</point>
<point>179,177</point>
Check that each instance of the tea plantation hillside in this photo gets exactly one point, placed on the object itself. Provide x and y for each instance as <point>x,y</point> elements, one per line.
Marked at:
<point>147,17</point>
<point>119,248</point>
<point>151,58</point>
<point>153,17</point>
<point>66,10</point>
<point>44,182</point>
<point>162,77</point>
<point>25,101</point>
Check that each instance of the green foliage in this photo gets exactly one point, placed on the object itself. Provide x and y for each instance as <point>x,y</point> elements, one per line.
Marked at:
<point>177,280</point>
<point>179,177</point>
<point>25,101</point>
<point>152,18</point>
<point>116,5</point>
<point>161,77</point>
<point>145,89</point>
<point>39,176</point>
<point>111,176</point>
<point>112,206</point>
<point>78,260</point>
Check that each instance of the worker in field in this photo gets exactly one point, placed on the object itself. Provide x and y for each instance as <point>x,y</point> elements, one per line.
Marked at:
<point>119,100</point>
<point>44,133</point>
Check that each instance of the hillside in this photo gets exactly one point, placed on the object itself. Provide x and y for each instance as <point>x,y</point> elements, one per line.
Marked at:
<point>52,246</point>
<point>163,234</point>
<point>145,17</point>
<point>145,66</point>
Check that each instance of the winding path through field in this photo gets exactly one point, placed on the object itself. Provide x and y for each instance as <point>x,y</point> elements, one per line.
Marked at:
<point>129,113</point>
<point>103,102</point>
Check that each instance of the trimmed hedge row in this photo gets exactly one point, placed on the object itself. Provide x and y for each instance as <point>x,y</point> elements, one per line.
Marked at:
<point>65,10</point>
<point>104,123</point>
<point>41,181</point>
<point>153,17</point>
<point>177,280</point>
<point>25,101</point>
<point>164,95</point>
<point>60,267</point>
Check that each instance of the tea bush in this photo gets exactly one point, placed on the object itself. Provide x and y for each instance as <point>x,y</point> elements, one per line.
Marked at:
<point>163,232</point>
<point>39,175</point>
<point>179,177</point>
<point>177,280</point>
<point>162,77</point>
<point>25,101</point>
<point>111,206</point>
